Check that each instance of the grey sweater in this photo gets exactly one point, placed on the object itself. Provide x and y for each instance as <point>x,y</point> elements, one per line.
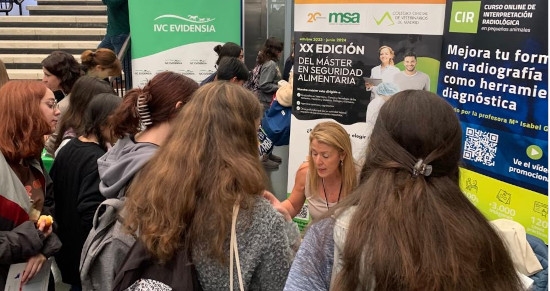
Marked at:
<point>264,241</point>
<point>270,75</point>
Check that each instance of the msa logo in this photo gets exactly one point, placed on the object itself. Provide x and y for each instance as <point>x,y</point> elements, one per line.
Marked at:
<point>343,18</point>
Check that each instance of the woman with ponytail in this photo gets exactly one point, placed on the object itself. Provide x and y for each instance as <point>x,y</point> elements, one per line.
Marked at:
<point>142,122</point>
<point>407,226</point>
<point>101,63</point>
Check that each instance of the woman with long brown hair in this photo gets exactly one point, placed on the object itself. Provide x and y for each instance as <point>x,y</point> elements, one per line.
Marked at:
<point>186,195</point>
<point>407,226</point>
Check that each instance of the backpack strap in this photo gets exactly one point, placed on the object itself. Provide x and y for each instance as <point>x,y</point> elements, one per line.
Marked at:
<point>116,203</point>
<point>105,218</point>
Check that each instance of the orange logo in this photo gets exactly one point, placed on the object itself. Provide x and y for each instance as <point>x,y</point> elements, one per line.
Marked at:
<point>312,17</point>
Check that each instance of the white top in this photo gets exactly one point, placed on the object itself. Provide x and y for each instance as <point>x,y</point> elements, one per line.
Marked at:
<point>372,114</point>
<point>387,75</point>
<point>316,205</point>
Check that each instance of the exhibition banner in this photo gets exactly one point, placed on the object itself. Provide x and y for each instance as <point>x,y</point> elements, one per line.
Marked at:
<point>337,47</point>
<point>494,72</point>
<point>180,36</point>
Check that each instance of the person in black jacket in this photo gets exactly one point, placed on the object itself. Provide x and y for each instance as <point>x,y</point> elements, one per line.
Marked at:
<point>76,184</point>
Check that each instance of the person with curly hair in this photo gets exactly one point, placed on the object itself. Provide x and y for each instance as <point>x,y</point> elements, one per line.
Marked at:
<point>61,70</point>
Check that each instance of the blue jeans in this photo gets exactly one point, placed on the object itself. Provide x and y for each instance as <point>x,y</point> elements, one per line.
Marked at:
<point>115,44</point>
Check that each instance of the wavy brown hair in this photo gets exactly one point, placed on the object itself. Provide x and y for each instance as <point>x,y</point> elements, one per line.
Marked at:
<point>22,126</point>
<point>419,233</point>
<point>185,194</point>
<point>270,51</point>
<point>64,66</point>
<point>334,135</point>
<point>160,94</point>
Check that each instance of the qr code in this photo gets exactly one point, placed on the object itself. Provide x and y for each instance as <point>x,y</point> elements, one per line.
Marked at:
<point>480,146</point>
<point>304,212</point>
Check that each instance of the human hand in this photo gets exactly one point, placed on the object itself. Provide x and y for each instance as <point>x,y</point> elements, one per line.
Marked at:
<point>277,205</point>
<point>44,227</point>
<point>34,264</point>
<point>368,85</point>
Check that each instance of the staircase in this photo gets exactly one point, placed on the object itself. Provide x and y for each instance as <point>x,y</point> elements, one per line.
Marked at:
<point>69,25</point>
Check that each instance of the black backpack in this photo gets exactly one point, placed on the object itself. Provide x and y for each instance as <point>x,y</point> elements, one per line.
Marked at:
<point>141,272</point>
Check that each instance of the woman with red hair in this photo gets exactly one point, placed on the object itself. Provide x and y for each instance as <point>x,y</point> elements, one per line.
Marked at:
<point>28,111</point>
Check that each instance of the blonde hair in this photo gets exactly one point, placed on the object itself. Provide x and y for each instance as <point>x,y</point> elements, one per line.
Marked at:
<point>391,52</point>
<point>334,135</point>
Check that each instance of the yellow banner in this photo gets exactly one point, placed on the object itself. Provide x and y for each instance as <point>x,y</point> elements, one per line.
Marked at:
<point>498,199</point>
<point>369,1</point>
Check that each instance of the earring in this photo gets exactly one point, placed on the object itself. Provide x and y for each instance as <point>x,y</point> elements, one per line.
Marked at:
<point>341,162</point>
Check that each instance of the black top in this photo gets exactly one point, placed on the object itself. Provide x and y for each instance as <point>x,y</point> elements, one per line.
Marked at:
<point>76,187</point>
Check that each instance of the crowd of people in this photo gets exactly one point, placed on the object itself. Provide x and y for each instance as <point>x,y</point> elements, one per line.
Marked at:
<point>185,161</point>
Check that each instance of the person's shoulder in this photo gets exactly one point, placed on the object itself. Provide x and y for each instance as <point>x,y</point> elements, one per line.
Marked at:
<point>401,75</point>
<point>303,169</point>
<point>263,209</point>
<point>394,69</point>
<point>269,64</point>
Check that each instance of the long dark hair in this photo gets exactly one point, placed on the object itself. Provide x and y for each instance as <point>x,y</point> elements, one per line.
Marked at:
<point>415,230</point>
<point>270,51</point>
<point>84,90</point>
<point>96,114</point>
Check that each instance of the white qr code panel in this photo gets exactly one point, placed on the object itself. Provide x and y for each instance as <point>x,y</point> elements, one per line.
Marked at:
<point>480,146</point>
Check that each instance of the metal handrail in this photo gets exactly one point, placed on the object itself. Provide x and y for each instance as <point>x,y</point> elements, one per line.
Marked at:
<point>121,85</point>
<point>6,6</point>
<point>20,4</point>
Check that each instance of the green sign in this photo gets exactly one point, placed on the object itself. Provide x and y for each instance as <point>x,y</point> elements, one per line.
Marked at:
<point>464,16</point>
<point>179,35</point>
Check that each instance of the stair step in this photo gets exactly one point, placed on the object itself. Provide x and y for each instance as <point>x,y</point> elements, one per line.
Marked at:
<point>39,33</point>
<point>26,58</point>
<point>96,21</point>
<point>69,2</point>
<point>26,61</point>
<point>25,74</point>
<point>67,10</point>
<point>45,46</point>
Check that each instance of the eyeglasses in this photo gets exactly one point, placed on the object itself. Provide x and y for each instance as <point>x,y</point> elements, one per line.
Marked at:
<point>52,104</point>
